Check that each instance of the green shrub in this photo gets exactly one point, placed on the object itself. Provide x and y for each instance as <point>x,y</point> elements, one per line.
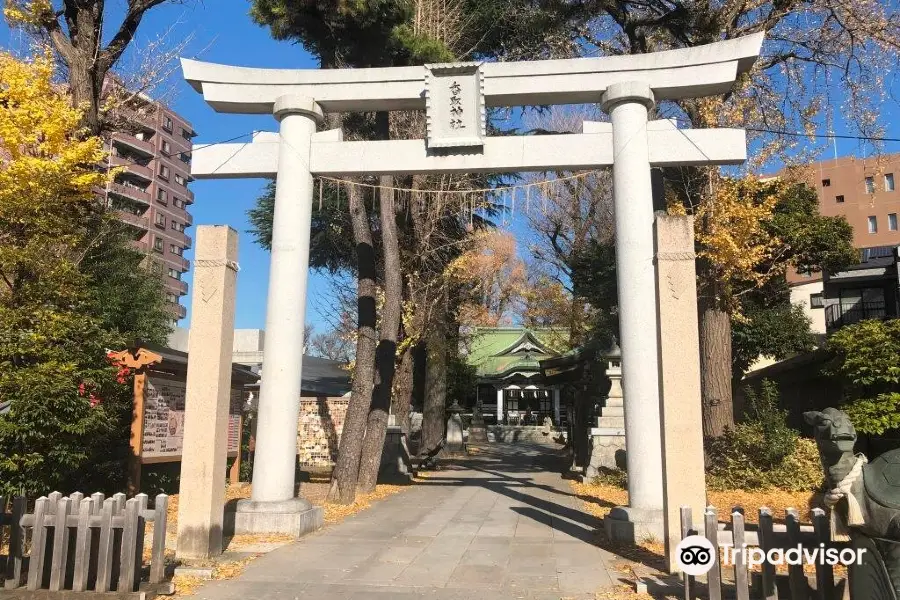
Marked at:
<point>612,477</point>
<point>867,364</point>
<point>764,413</point>
<point>734,464</point>
<point>763,452</point>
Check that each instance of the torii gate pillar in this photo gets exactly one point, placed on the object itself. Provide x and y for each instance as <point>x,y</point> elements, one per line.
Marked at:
<point>273,506</point>
<point>628,104</point>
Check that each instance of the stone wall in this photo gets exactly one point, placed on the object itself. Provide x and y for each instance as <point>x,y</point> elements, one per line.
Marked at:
<point>319,430</point>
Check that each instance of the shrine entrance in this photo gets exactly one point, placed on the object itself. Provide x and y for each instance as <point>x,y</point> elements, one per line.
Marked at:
<point>454,98</point>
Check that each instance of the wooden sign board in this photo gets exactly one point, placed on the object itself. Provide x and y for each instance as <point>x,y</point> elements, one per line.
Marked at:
<point>163,421</point>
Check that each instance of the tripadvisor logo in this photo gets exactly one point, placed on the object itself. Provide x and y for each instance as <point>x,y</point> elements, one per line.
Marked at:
<point>696,555</point>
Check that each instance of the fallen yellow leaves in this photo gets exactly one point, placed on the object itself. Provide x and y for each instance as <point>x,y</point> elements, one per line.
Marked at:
<point>186,586</point>
<point>338,512</point>
<point>752,501</point>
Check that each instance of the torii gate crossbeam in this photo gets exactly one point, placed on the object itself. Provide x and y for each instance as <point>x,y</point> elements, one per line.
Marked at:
<point>455,97</point>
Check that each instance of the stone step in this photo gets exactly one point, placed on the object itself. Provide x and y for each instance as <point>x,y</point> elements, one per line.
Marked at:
<point>613,411</point>
<point>613,422</point>
<point>609,431</point>
<point>615,402</point>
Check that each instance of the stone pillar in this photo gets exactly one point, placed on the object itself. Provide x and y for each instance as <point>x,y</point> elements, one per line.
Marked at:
<point>627,104</point>
<point>272,507</point>
<point>684,478</point>
<point>499,406</point>
<point>208,394</point>
<point>556,419</point>
<point>455,441</point>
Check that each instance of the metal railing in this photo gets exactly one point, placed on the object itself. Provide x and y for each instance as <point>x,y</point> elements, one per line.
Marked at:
<point>839,315</point>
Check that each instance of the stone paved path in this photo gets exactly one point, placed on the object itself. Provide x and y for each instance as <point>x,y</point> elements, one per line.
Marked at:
<point>504,524</point>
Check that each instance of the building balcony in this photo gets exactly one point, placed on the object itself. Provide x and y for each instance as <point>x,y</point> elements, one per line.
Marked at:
<point>130,192</point>
<point>178,310</point>
<point>838,315</point>
<point>146,122</point>
<point>132,168</point>
<point>179,286</point>
<point>188,219</point>
<point>142,147</point>
<point>138,221</point>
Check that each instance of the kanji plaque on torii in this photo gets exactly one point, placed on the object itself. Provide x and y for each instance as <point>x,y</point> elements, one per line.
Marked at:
<point>454,105</point>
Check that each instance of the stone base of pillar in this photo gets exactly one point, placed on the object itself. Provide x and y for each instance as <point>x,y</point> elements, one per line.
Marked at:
<point>607,450</point>
<point>295,517</point>
<point>478,434</point>
<point>396,466</point>
<point>632,525</point>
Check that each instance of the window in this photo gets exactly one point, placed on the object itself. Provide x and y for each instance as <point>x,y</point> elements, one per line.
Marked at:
<point>161,220</point>
<point>870,185</point>
<point>177,226</point>
<point>826,183</point>
<point>892,222</point>
<point>839,199</point>
<point>166,147</point>
<point>185,157</point>
<point>164,172</point>
<point>171,298</point>
<point>158,245</point>
<point>873,225</point>
<point>186,134</point>
<point>176,249</point>
<point>175,274</point>
<point>889,182</point>
<point>162,195</point>
<point>180,180</point>
<point>816,300</point>
<point>177,202</point>
<point>168,126</point>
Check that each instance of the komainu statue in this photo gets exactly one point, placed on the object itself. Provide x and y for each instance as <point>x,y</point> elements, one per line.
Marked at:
<point>865,502</point>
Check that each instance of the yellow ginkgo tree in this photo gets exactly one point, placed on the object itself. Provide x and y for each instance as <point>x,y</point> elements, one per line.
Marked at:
<point>64,402</point>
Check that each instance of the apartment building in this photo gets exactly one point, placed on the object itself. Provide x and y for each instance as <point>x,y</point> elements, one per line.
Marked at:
<point>864,191</point>
<point>150,194</point>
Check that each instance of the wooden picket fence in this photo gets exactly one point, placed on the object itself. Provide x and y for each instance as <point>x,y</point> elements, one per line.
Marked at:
<point>766,536</point>
<point>79,544</point>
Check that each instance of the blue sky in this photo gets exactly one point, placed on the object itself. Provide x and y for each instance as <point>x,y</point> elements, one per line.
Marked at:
<point>223,32</point>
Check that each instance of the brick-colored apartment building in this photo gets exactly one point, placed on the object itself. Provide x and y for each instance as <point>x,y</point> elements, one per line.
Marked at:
<point>150,194</point>
<point>864,190</point>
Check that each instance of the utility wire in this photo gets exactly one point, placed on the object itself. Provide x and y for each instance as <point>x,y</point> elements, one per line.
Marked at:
<point>824,135</point>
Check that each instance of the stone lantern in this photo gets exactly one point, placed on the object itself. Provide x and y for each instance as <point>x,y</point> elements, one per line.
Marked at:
<point>608,437</point>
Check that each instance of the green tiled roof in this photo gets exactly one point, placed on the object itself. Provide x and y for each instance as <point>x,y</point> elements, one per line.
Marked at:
<point>491,350</point>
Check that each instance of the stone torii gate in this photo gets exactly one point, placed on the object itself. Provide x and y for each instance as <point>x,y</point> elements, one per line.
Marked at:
<point>454,97</point>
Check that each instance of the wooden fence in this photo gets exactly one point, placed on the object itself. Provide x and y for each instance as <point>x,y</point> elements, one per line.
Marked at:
<point>83,544</point>
<point>767,536</point>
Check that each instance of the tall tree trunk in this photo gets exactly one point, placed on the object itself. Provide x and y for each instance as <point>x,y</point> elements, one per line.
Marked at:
<point>85,91</point>
<point>346,470</point>
<point>403,389</point>
<point>715,365</point>
<point>391,311</point>
<point>435,380</point>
